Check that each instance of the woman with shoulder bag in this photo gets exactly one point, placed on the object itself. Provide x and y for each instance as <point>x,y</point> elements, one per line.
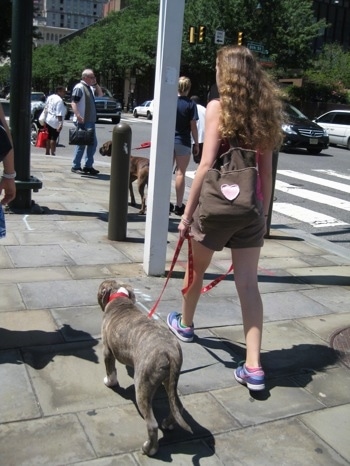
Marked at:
<point>248,112</point>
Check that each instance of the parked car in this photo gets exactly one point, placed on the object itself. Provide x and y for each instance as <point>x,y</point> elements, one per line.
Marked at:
<point>108,107</point>
<point>300,132</point>
<point>145,109</point>
<point>337,125</point>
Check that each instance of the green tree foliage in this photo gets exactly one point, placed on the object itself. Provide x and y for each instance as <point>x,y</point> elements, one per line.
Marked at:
<point>328,80</point>
<point>332,66</point>
<point>126,41</point>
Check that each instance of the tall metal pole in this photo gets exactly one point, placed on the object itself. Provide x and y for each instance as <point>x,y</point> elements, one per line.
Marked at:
<point>171,14</point>
<point>21,74</point>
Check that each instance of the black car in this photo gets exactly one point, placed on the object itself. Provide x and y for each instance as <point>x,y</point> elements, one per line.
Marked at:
<point>300,132</point>
<point>108,107</point>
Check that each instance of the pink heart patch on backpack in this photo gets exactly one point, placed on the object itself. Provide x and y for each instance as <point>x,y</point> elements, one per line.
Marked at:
<point>230,191</point>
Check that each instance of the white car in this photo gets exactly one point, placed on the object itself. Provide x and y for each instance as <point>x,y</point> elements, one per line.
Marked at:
<point>337,125</point>
<point>145,109</point>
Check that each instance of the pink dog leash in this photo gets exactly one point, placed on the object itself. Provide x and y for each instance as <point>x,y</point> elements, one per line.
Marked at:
<point>190,273</point>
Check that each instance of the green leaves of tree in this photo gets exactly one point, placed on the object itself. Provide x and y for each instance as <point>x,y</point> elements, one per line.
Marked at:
<point>127,40</point>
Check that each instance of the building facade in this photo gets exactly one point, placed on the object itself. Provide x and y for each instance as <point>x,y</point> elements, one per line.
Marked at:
<point>55,19</point>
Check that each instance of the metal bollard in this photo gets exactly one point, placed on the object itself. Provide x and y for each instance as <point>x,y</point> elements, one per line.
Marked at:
<point>119,183</point>
<point>274,174</point>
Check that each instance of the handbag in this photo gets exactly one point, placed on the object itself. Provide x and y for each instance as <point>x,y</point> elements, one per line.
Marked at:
<point>81,137</point>
<point>42,137</point>
<point>5,143</point>
<point>228,194</point>
<point>42,117</point>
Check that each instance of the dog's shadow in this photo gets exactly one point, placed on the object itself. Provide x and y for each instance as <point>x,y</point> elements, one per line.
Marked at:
<point>186,443</point>
<point>199,444</point>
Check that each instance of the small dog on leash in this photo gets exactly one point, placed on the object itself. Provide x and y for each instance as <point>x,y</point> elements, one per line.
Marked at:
<point>133,339</point>
<point>139,170</point>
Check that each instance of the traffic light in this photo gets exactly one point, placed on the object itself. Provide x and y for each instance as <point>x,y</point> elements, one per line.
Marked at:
<point>240,38</point>
<point>201,34</point>
<point>192,35</point>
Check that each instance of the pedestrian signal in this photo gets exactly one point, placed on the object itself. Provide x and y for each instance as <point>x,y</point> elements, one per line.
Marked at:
<point>201,34</point>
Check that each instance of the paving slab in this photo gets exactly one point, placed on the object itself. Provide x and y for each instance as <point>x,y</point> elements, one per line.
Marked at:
<point>335,298</point>
<point>79,323</point>
<point>325,325</point>
<point>29,443</point>
<point>287,348</point>
<point>333,427</point>
<point>326,276</point>
<point>285,400</point>
<point>39,256</point>
<point>89,254</point>
<point>276,443</point>
<point>120,460</point>
<point>290,305</point>
<point>60,294</point>
<point>18,401</point>
<point>70,378</point>
<point>330,387</point>
<point>27,328</point>
<point>207,364</point>
<point>11,298</point>
<point>30,274</point>
<point>5,261</point>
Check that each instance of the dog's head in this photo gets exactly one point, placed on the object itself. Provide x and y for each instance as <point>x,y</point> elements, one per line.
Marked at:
<point>106,149</point>
<point>108,287</point>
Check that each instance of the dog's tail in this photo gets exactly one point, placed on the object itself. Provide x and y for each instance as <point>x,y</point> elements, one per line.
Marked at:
<point>175,404</point>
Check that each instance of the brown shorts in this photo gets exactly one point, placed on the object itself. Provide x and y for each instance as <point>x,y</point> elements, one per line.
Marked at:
<point>249,235</point>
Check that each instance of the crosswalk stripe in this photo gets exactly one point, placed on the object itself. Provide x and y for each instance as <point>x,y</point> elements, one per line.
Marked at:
<point>312,195</point>
<point>332,173</point>
<point>302,214</point>
<point>314,179</point>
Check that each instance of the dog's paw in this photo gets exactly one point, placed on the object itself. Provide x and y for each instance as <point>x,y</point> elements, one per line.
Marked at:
<point>111,381</point>
<point>148,449</point>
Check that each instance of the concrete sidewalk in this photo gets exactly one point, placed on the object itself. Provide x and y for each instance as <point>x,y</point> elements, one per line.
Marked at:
<point>55,409</point>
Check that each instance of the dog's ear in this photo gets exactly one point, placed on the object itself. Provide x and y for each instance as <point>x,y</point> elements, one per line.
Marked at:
<point>104,292</point>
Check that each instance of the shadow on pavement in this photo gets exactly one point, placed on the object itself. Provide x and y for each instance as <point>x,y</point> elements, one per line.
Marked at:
<point>38,348</point>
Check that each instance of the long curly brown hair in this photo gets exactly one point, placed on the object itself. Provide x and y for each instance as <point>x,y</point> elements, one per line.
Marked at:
<point>251,107</point>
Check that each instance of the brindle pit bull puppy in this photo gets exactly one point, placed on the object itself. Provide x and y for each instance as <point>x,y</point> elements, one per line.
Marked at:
<point>133,339</point>
<point>139,169</point>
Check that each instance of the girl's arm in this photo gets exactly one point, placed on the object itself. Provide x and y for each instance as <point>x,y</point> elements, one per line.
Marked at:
<point>210,149</point>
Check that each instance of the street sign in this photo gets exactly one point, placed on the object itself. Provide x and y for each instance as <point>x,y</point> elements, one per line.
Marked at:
<point>256,47</point>
<point>219,37</point>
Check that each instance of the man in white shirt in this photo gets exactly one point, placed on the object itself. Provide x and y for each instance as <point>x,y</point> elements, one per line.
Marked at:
<point>55,112</point>
<point>200,128</point>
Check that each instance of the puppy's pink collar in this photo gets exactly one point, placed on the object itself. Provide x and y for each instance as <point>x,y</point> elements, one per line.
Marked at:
<point>117,295</point>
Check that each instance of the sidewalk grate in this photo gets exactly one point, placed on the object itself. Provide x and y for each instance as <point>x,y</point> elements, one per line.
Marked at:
<point>340,341</point>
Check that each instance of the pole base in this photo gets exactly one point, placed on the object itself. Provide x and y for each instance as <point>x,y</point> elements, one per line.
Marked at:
<point>23,200</point>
